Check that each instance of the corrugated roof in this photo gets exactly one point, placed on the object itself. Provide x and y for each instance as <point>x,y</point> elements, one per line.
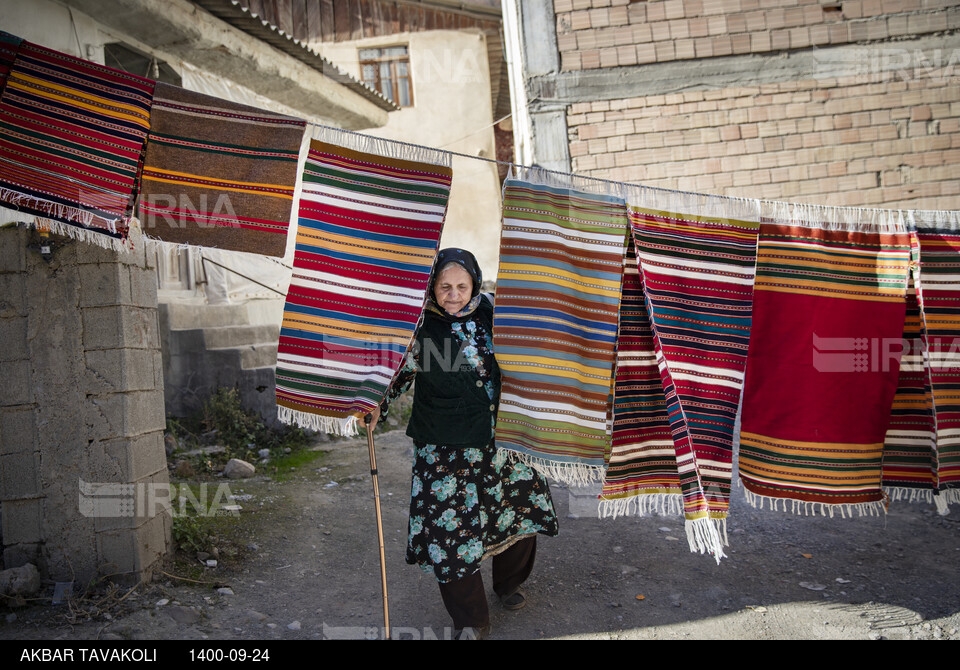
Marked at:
<point>240,17</point>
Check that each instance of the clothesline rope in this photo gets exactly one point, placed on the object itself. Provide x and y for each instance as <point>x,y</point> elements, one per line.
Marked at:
<point>511,164</point>
<point>865,218</point>
<point>489,125</point>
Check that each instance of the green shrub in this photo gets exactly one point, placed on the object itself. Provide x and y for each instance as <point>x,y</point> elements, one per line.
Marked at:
<point>236,427</point>
<point>243,432</point>
<point>190,534</point>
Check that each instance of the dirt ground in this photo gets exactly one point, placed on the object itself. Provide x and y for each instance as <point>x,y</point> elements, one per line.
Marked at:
<point>310,570</point>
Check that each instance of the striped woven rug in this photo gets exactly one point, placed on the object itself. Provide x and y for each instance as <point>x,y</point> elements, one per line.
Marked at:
<point>218,174</point>
<point>641,475</point>
<point>555,326</point>
<point>368,232</point>
<point>819,387</point>
<point>939,296</point>
<point>909,447</point>
<point>698,271</point>
<point>71,138</point>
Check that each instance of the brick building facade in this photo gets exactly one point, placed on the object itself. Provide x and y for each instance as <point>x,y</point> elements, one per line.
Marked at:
<point>853,103</point>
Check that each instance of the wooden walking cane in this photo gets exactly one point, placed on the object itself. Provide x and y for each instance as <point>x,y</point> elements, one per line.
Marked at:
<point>376,500</point>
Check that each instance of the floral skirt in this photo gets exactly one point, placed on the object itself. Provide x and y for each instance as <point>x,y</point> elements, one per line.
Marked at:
<point>468,503</point>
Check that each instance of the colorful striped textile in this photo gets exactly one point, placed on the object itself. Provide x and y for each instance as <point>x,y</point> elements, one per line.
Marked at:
<point>938,239</point>
<point>555,325</point>
<point>218,174</point>
<point>641,475</point>
<point>909,447</point>
<point>697,266</point>
<point>822,373</point>
<point>366,243</point>
<point>9,45</point>
<point>71,138</point>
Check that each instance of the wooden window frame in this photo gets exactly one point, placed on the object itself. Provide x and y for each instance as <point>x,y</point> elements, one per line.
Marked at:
<point>395,78</point>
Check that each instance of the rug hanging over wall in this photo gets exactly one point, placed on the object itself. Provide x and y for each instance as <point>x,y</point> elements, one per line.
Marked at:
<point>555,325</point>
<point>218,174</point>
<point>369,227</point>
<point>71,137</point>
<point>823,371</point>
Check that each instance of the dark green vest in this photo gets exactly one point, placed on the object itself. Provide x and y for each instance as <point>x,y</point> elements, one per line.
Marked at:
<point>450,405</point>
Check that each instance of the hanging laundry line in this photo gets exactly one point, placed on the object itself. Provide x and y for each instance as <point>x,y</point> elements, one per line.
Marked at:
<point>511,164</point>
<point>489,125</point>
<point>864,219</point>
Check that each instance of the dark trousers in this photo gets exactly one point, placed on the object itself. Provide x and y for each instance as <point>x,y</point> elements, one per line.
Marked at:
<point>466,599</point>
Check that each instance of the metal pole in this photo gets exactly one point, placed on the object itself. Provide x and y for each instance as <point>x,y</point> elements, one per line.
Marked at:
<point>376,501</point>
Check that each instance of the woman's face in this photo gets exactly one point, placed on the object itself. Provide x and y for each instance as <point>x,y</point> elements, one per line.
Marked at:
<point>453,289</point>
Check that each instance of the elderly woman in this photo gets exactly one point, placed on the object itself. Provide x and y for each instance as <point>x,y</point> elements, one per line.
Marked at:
<point>469,501</point>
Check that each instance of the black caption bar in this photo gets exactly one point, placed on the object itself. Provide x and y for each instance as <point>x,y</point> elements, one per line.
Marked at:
<point>254,652</point>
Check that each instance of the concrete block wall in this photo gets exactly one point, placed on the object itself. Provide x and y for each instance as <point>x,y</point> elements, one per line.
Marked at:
<point>610,33</point>
<point>81,411</point>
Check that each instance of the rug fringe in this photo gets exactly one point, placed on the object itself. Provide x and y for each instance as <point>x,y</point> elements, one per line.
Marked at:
<point>941,220</point>
<point>651,504</point>
<point>346,427</point>
<point>382,147</point>
<point>720,207</point>
<point>571,474</point>
<point>154,245</point>
<point>708,536</point>
<point>15,199</point>
<point>944,499</point>
<point>825,217</point>
<point>89,235</point>
<point>804,507</point>
<point>86,235</point>
<point>909,494</point>
<point>571,182</point>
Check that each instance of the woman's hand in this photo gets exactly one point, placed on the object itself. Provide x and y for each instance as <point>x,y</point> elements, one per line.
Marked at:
<point>374,417</point>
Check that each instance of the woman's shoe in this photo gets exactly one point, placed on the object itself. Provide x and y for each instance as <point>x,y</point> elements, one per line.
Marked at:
<point>514,601</point>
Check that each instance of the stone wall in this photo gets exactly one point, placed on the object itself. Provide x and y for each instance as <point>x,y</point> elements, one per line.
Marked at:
<point>83,478</point>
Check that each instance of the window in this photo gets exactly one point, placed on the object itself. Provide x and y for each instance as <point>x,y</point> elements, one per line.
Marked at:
<point>388,71</point>
<point>124,57</point>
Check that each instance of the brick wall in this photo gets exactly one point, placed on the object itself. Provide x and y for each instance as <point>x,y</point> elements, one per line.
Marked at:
<point>610,33</point>
<point>864,108</point>
<point>882,143</point>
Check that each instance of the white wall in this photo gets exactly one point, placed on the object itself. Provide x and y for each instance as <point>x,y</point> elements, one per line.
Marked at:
<point>451,111</point>
<point>53,25</point>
